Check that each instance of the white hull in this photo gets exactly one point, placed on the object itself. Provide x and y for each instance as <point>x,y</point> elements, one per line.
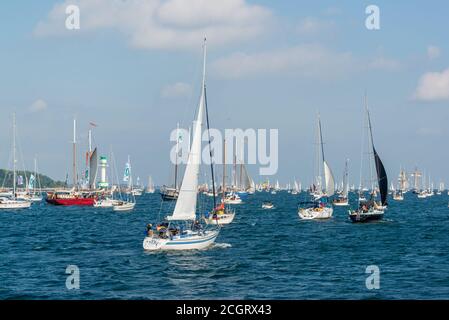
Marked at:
<point>137,192</point>
<point>264,206</point>
<point>29,198</point>
<point>106,203</point>
<point>125,206</point>
<point>221,219</point>
<point>315,213</point>
<point>189,242</point>
<point>236,201</point>
<point>341,203</point>
<point>14,204</point>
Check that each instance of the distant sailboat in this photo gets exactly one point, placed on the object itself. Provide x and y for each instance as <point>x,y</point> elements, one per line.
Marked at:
<point>343,199</point>
<point>296,188</point>
<point>320,208</point>
<point>130,202</point>
<point>137,190</point>
<point>398,194</point>
<point>371,210</point>
<point>221,214</point>
<point>12,202</point>
<point>172,193</point>
<point>73,197</point>
<point>150,186</point>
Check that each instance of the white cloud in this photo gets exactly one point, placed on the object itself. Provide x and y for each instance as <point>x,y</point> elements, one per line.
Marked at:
<point>433,86</point>
<point>38,105</point>
<point>312,26</point>
<point>433,52</point>
<point>307,60</point>
<point>176,90</point>
<point>171,24</point>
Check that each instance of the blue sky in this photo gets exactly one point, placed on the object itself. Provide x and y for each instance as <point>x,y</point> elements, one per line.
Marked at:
<point>134,69</point>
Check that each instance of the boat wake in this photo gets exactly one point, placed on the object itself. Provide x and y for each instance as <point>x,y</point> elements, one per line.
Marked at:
<point>221,245</point>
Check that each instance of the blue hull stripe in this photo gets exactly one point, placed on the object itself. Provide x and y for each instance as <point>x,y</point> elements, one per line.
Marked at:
<point>190,242</point>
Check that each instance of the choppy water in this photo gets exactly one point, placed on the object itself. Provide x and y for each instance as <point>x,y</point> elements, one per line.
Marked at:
<point>261,255</point>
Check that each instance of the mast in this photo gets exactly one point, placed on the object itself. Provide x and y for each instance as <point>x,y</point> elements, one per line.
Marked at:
<point>320,141</point>
<point>208,125</point>
<point>130,175</point>
<point>234,170</point>
<point>346,180</point>
<point>321,137</point>
<point>74,154</point>
<point>14,152</point>
<point>177,154</point>
<point>370,143</point>
<point>224,169</point>
<point>35,174</point>
<point>382,179</point>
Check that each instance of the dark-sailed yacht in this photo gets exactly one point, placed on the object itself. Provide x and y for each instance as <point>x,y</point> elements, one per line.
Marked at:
<point>371,209</point>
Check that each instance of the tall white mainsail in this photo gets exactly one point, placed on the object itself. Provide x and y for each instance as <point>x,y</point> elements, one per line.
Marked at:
<point>328,176</point>
<point>185,208</point>
<point>329,179</point>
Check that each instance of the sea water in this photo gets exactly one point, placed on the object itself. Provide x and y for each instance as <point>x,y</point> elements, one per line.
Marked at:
<point>263,254</point>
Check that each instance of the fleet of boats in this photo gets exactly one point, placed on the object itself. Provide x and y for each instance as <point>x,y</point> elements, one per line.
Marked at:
<point>194,225</point>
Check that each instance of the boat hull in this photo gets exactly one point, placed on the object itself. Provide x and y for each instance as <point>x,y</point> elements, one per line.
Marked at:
<point>169,195</point>
<point>13,205</point>
<point>341,203</point>
<point>221,219</point>
<point>192,242</point>
<point>124,207</point>
<point>72,202</point>
<point>315,214</point>
<point>366,217</point>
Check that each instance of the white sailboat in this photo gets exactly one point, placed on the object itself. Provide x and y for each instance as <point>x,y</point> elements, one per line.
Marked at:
<point>137,191</point>
<point>181,230</point>
<point>343,199</point>
<point>130,202</point>
<point>296,189</point>
<point>440,188</point>
<point>222,215</point>
<point>320,209</point>
<point>398,194</point>
<point>150,186</point>
<point>12,202</point>
<point>171,193</point>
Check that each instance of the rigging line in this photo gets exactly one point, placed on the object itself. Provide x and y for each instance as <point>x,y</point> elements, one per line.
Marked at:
<point>210,148</point>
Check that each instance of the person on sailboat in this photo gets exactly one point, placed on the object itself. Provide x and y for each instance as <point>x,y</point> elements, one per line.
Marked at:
<point>197,226</point>
<point>150,232</point>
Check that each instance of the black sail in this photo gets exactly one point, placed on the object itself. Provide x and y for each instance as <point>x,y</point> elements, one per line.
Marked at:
<point>381,177</point>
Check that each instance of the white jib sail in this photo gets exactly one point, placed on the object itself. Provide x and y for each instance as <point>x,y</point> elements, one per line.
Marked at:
<point>329,179</point>
<point>185,208</point>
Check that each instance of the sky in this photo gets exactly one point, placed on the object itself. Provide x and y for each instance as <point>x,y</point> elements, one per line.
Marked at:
<point>134,69</point>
